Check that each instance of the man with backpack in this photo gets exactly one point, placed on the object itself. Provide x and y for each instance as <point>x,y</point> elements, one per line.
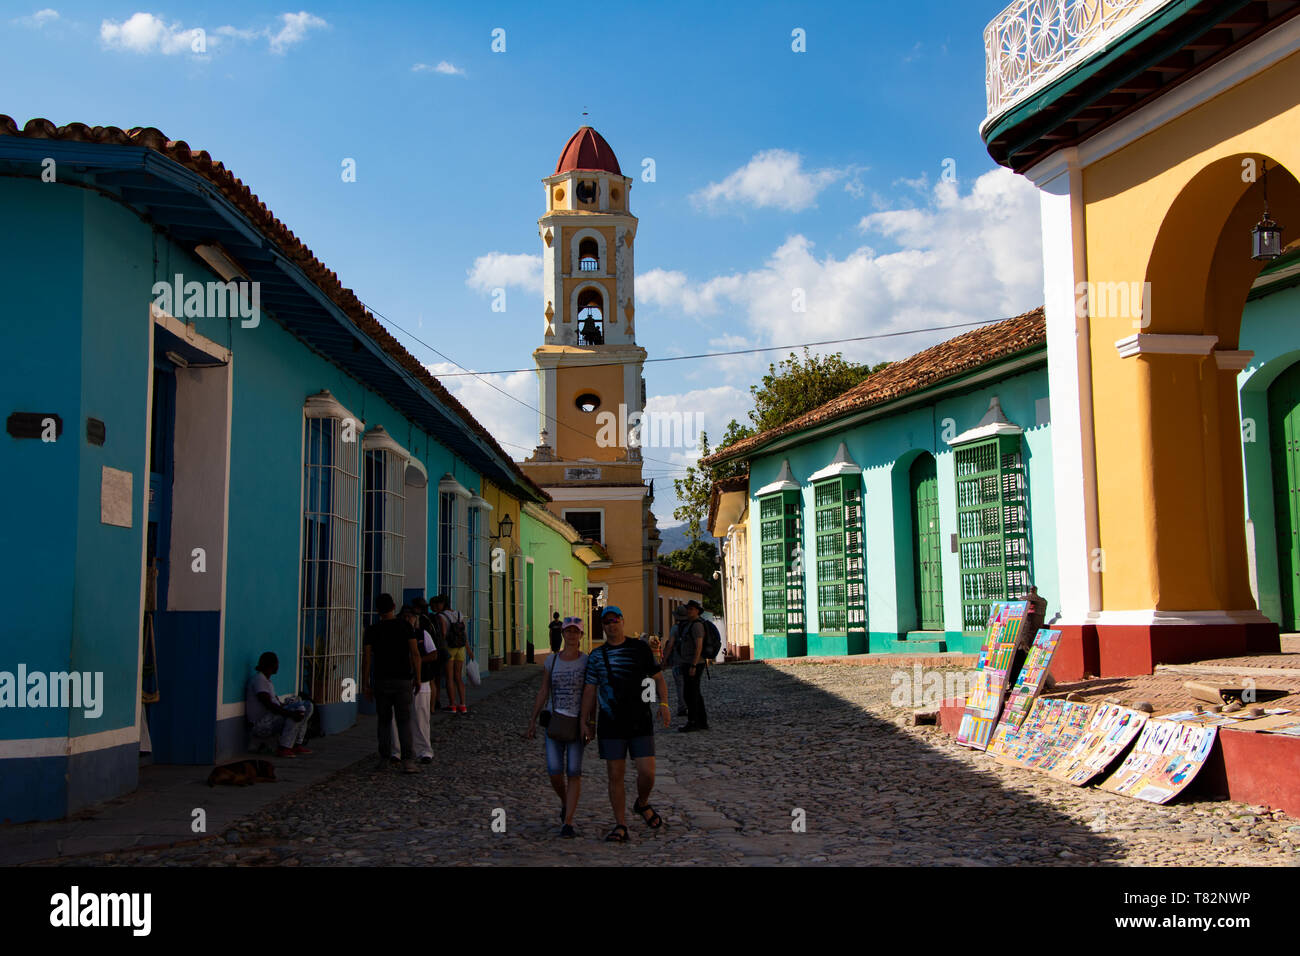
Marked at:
<point>451,625</point>
<point>700,643</point>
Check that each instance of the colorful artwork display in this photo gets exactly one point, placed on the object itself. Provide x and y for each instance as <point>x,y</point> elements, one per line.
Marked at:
<point>1027,686</point>
<point>996,656</point>
<point>1166,758</point>
<point>1050,732</point>
<point>1111,729</point>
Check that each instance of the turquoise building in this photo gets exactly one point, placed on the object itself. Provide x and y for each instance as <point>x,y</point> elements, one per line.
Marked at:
<point>212,449</point>
<point>889,519</point>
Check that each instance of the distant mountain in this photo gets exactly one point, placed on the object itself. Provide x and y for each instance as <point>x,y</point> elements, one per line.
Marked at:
<point>676,538</point>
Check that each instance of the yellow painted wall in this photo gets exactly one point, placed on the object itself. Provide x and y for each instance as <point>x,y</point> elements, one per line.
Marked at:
<point>623,531</point>
<point>569,266</point>
<point>576,431</point>
<point>503,503</point>
<point>1172,209</point>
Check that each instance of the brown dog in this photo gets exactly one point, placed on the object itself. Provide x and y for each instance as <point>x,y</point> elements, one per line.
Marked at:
<point>243,773</point>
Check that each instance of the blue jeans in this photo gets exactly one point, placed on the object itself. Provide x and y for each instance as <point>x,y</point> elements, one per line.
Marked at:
<point>562,757</point>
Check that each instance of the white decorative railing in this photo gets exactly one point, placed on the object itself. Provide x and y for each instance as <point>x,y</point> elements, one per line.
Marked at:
<point>1032,41</point>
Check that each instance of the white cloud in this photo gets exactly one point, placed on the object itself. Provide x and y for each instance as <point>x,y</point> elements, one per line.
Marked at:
<point>293,29</point>
<point>960,258</point>
<point>515,427</point>
<point>773,178</point>
<point>145,33</point>
<point>38,19</point>
<point>443,67</point>
<point>501,269</point>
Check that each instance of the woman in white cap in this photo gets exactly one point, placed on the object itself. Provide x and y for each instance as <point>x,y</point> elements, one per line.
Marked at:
<point>560,699</point>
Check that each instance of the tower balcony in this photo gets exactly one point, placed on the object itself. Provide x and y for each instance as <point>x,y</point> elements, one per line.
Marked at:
<point>1058,70</point>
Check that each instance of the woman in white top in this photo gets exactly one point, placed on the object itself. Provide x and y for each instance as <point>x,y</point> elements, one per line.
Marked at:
<point>563,678</point>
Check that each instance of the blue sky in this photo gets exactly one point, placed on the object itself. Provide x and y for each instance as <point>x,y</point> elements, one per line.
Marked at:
<point>452,139</point>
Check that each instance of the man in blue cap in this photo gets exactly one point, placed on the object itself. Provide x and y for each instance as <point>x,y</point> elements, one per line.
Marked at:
<point>624,678</point>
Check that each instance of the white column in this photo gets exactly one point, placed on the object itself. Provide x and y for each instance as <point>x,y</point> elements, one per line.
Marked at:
<point>1060,181</point>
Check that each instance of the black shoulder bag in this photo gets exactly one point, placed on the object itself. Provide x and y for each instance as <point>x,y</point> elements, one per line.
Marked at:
<point>561,728</point>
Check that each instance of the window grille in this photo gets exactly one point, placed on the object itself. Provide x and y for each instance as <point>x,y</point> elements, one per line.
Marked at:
<point>782,563</point>
<point>384,527</point>
<point>517,623</point>
<point>992,526</point>
<point>841,588</point>
<point>329,606</point>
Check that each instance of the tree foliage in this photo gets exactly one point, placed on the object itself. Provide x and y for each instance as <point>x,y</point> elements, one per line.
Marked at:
<point>796,386</point>
<point>701,558</point>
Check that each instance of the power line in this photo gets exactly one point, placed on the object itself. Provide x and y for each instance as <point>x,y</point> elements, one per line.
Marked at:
<point>766,348</point>
<point>479,376</point>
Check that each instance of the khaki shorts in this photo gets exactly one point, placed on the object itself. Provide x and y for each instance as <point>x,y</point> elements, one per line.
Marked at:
<point>456,654</point>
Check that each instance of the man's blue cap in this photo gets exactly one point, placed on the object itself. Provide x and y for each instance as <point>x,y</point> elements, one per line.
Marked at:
<point>612,609</point>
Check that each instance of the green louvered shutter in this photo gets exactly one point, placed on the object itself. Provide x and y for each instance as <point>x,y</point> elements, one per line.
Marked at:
<point>841,590</point>
<point>992,526</point>
<point>781,561</point>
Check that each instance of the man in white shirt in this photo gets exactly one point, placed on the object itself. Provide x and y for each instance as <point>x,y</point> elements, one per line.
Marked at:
<point>269,715</point>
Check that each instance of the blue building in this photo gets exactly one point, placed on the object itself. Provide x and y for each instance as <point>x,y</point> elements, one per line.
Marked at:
<point>210,442</point>
<point>890,518</point>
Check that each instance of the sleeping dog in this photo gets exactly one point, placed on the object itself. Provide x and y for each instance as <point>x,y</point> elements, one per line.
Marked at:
<point>244,773</point>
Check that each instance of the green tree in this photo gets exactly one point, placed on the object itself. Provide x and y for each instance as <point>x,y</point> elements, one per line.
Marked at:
<point>796,386</point>
<point>696,488</point>
<point>700,558</point>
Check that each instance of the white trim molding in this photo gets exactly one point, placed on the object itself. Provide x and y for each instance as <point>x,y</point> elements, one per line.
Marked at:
<point>597,493</point>
<point>1176,618</point>
<point>1144,343</point>
<point>1233,360</point>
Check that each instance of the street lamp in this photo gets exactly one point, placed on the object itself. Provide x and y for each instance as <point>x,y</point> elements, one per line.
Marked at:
<point>1266,237</point>
<point>505,527</point>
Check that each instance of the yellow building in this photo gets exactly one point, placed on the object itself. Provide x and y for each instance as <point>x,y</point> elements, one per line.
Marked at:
<point>589,369</point>
<point>1148,126</point>
<point>729,521</point>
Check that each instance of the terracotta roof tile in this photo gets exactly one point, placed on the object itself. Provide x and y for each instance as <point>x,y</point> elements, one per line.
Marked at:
<point>683,580</point>
<point>277,232</point>
<point>949,359</point>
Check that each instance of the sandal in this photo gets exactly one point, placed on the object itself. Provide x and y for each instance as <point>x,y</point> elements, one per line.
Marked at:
<point>654,821</point>
<point>615,836</point>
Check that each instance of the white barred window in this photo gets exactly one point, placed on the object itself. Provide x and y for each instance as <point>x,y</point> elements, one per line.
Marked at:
<point>519,637</point>
<point>384,522</point>
<point>453,545</point>
<point>327,636</point>
<point>553,592</point>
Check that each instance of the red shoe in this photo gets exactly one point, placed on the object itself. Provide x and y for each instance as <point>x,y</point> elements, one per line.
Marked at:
<point>300,749</point>
<point>464,709</point>
<point>284,752</point>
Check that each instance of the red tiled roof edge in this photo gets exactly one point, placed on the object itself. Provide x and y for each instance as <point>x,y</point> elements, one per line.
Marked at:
<point>723,486</point>
<point>215,172</point>
<point>948,359</point>
<point>683,580</point>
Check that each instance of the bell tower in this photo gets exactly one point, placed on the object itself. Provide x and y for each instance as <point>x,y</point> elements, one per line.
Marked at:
<point>589,363</point>
<point>589,371</point>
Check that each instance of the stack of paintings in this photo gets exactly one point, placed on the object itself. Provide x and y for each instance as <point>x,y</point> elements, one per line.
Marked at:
<point>1110,731</point>
<point>1166,758</point>
<point>984,703</point>
<point>1047,735</point>
<point>1033,673</point>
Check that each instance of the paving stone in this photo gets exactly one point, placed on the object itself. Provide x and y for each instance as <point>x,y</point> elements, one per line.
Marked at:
<point>805,764</point>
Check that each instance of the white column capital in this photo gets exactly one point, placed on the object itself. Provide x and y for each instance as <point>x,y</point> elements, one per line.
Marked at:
<point>1160,344</point>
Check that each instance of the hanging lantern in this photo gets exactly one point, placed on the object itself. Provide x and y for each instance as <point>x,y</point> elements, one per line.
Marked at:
<point>1266,237</point>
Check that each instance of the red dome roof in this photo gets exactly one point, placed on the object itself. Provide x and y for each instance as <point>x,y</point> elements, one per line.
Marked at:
<point>587,149</point>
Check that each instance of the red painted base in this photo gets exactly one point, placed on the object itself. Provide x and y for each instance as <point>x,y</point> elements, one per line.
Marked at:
<point>1126,650</point>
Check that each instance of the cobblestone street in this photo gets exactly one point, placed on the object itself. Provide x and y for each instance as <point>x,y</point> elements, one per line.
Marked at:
<point>821,738</point>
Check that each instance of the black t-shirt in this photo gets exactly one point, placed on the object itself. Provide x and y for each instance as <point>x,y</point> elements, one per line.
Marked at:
<point>390,644</point>
<point>557,629</point>
<point>619,674</point>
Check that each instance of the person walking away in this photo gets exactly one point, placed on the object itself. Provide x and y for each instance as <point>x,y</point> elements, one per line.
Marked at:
<point>619,675</point>
<point>556,629</point>
<point>692,649</point>
<point>389,645</point>
<point>673,657</point>
<point>439,672</point>
<point>428,668</point>
<point>561,696</point>
<point>455,636</point>
<point>268,714</point>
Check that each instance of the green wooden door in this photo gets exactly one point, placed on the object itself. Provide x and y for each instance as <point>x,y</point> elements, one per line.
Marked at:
<point>926,552</point>
<point>1284,449</point>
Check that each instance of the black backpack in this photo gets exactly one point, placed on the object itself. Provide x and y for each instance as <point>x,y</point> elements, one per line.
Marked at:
<point>712,641</point>
<point>456,636</point>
